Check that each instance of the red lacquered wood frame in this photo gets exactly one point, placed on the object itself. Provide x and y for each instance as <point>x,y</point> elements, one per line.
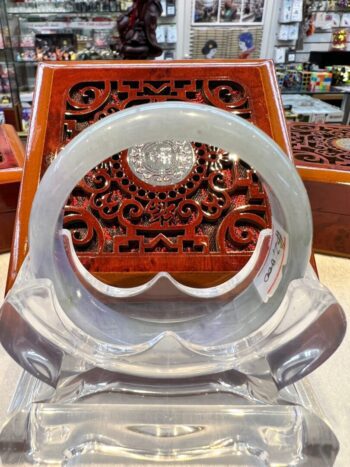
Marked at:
<point>70,97</point>
<point>11,166</point>
<point>324,166</point>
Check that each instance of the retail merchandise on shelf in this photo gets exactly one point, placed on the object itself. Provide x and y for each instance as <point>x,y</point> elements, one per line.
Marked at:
<point>77,30</point>
<point>326,27</point>
<point>307,26</point>
<point>290,18</point>
<point>63,30</point>
<point>308,109</point>
<point>295,78</point>
<point>320,81</point>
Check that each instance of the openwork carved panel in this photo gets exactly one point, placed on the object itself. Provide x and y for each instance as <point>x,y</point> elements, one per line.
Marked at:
<point>204,216</point>
<point>89,102</point>
<point>220,207</point>
<point>164,197</point>
<point>321,146</point>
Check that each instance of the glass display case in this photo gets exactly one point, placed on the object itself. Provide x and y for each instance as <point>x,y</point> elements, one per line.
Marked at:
<point>10,110</point>
<point>71,30</point>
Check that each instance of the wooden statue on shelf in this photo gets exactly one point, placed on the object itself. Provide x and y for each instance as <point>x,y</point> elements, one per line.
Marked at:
<point>137,30</point>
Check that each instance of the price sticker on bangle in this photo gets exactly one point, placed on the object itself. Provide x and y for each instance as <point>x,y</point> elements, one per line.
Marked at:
<point>270,274</point>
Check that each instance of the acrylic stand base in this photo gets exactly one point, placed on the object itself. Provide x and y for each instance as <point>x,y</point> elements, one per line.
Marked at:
<point>100,418</point>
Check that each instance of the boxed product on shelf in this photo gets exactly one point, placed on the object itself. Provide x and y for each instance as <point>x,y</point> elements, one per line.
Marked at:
<point>294,78</point>
<point>50,6</point>
<point>59,46</point>
<point>26,115</point>
<point>320,81</point>
<point>309,109</point>
<point>291,78</point>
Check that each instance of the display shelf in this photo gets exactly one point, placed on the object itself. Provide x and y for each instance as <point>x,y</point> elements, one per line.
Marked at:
<point>96,14</point>
<point>322,19</point>
<point>63,12</point>
<point>331,92</point>
<point>330,11</point>
<point>10,109</point>
<point>26,96</point>
<point>288,19</point>
<point>39,32</point>
<point>328,31</point>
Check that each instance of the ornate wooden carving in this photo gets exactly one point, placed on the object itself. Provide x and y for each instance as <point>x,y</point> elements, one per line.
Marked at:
<point>209,221</point>
<point>220,207</point>
<point>322,155</point>
<point>321,146</point>
<point>89,102</point>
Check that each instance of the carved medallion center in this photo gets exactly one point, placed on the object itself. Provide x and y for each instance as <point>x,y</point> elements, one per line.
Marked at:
<point>162,163</point>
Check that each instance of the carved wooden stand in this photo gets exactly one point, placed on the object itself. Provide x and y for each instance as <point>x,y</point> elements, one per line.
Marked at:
<point>201,228</point>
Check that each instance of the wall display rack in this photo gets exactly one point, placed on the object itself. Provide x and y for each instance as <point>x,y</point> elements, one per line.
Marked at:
<point>288,30</point>
<point>320,18</point>
<point>320,55</point>
<point>326,28</point>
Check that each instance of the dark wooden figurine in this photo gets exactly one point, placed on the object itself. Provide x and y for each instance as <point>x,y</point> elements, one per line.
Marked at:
<point>137,30</point>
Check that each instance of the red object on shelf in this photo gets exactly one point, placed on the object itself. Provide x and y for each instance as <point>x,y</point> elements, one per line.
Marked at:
<point>203,229</point>
<point>11,164</point>
<point>322,156</point>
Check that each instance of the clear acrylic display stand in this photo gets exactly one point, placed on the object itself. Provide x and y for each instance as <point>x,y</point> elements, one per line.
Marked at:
<point>164,373</point>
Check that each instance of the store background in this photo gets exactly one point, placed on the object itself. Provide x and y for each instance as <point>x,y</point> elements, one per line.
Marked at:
<point>182,38</point>
<point>38,30</point>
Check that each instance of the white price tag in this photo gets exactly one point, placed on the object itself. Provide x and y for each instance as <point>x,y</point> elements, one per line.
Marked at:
<point>270,274</point>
